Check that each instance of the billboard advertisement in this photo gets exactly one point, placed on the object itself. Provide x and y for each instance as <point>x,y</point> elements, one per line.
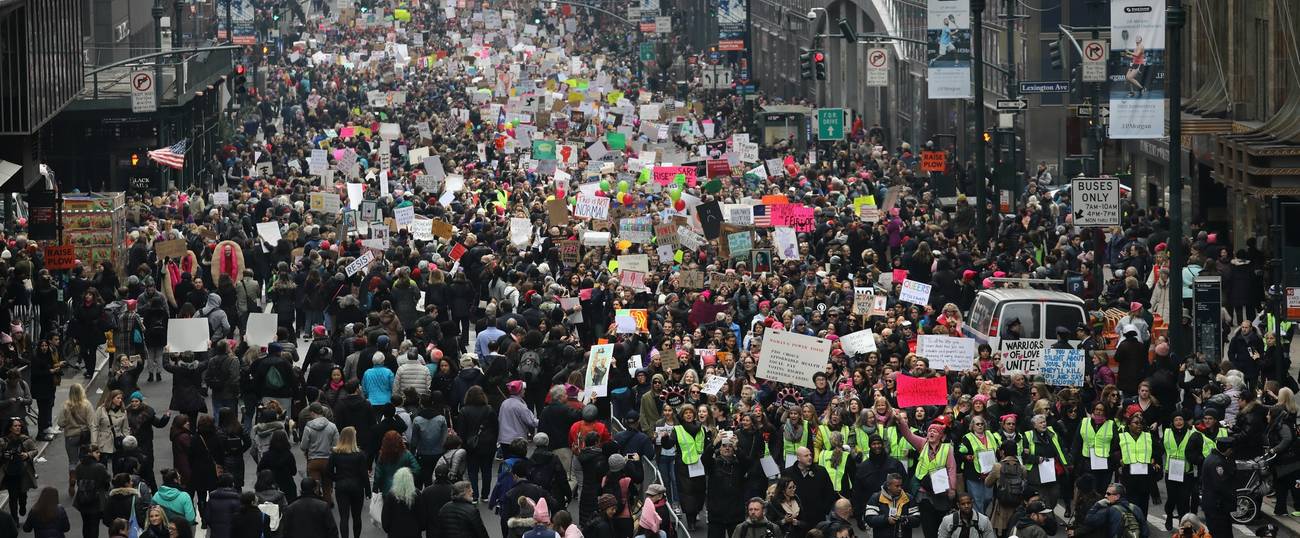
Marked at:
<point>948,49</point>
<point>733,24</point>
<point>1137,47</point>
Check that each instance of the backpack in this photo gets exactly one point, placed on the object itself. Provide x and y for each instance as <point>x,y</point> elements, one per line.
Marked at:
<point>583,429</point>
<point>87,498</point>
<point>1011,484</point>
<point>216,376</point>
<point>1129,525</point>
<point>530,365</point>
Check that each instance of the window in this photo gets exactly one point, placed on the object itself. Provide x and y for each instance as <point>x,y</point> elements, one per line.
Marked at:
<point>981,314</point>
<point>1063,315</point>
<point>1028,314</point>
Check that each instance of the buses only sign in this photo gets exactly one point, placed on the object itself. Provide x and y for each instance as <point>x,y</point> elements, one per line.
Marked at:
<point>1095,202</point>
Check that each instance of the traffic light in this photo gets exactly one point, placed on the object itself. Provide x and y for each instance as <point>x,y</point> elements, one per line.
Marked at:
<point>537,16</point>
<point>1054,52</point>
<point>135,159</point>
<point>241,80</point>
<point>1078,88</point>
<point>806,63</point>
<point>819,64</point>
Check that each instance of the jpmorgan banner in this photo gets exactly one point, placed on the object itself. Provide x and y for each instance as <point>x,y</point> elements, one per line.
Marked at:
<point>1137,45</point>
<point>948,49</point>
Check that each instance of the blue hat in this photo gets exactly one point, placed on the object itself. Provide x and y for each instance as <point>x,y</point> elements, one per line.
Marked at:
<point>136,396</point>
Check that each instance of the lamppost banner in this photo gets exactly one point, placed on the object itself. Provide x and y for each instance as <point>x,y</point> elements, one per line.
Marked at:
<point>947,48</point>
<point>1137,46</point>
<point>733,24</point>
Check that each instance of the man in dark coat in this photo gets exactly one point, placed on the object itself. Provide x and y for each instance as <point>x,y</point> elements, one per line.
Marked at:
<point>309,515</point>
<point>870,473</point>
<point>1218,502</point>
<point>522,488</point>
<point>459,518</point>
<point>813,484</point>
<point>430,501</point>
<point>726,486</point>
<point>1245,350</point>
<point>1131,355</point>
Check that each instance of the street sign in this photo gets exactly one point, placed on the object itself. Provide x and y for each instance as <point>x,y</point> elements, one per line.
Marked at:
<point>1045,86</point>
<point>877,67</point>
<point>142,92</point>
<point>663,25</point>
<point>1095,202</point>
<point>1013,105</point>
<point>716,77</point>
<point>647,52</point>
<point>1085,111</point>
<point>830,124</point>
<point>1095,52</point>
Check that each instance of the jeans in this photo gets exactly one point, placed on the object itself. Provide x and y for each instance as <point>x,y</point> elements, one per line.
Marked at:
<point>480,466</point>
<point>665,464</point>
<point>981,494</point>
<point>153,360</point>
<point>221,403</point>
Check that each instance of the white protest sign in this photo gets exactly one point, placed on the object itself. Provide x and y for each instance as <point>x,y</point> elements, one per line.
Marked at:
<point>1025,356</point>
<point>1063,367</point>
<point>862,298</point>
<point>422,229</point>
<point>599,362</point>
<point>318,163</point>
<point>261,329</point>
<point>360,263</point>
<point>787,242</point>
<point>189,334</point>
<point>521,232</point>
<point>943,351</point>
<point>793,358</point>
<point>914,292</point>
<point>713,384</point>
<point>595,239</point>
<point>220,198</point>
<point>404,215</point>
<point>1095,202</point>
<point>863,341</point>
<point>592,207</point>
<point>269,232</point>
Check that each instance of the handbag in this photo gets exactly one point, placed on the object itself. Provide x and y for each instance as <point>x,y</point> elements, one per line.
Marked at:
<point>377,509</point>
<point>117,439</point>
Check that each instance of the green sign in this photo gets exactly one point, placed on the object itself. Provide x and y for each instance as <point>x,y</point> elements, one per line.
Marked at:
<point>616,141</point>
<point>830,124</point>
<point>543,150</point>
<point>647,52</point>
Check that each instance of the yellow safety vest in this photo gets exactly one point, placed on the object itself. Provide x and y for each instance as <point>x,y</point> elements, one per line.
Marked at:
<point>994,440</point>
<point>692,447</point>
<point>863,441</point>
<point>899,448</point>
<point>1174,449</point>
<point>789,448</point>
<point>824,436</point>
<point>1207,444</point>
<point>836,471</point>
<point>926,465</point>
<point>1033,450</point>
<point>1135,450</point>
<point>1098,440</point>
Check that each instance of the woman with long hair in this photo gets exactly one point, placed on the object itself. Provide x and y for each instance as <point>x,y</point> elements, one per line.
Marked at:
<point>249,520</point>
<point>347,468</point>
<point>393,455</point>
<point>267,492</point>
<point>232,443</point>
<point>110,423</point>
<point>155,523</point>
<point>783,506</point>
<point>75,419</point>
<point>48,518</point>
<point>477,426</point>
<point>562,522</point>
<point>280,461</point>
<point>182,436</point>
<point>399,517</point>
<point>204,451</point>
<point>17,472</point>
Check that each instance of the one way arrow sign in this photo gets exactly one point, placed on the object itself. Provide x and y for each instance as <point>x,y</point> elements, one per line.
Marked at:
<point>1012,105</point>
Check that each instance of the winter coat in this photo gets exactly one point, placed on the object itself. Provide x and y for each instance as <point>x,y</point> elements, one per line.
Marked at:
<point>48,529</point>
<point>120,503</point>
<point>318,438</point>
<point>1131,355</point>
<point>405,295</point>
<point>203,453</point>
<point>460,519</point>
<point>223,507</point>
<point>141,422</point>
<point>175,503</point>
<point>384,471</point>
<point>517,527</point>
<point>880,506</point>
<point>412,374</point>
<point>429,432</point>
<point>262,433</point>
<point>187,383</point>
<point>218,322</point>
<point>308,516</point>
<point>726,485</point>
<point>109,424</point>
<point>398,519</point>
<point>429,503</point>
<point>353,410</point>
<point>28,447</point>
<point>478,422</point>
<point>283,465</point>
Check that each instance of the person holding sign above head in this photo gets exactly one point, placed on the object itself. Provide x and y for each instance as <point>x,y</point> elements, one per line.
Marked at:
<point>1140,457</point>
<point>935,475</point>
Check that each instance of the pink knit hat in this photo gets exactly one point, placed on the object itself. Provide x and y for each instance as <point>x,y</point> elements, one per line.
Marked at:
<point>540,512</point>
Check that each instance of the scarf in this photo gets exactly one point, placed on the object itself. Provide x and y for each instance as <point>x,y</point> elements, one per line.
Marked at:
<point>173,273</point>
<point>336,385</point>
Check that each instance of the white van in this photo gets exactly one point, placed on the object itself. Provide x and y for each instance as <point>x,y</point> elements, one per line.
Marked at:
<point>1040,312</point>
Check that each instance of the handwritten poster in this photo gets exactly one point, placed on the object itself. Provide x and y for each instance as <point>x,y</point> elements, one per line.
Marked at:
<point>957,354</point>
<point>1063,367</point>
<point>918,391</point>
<point>788,357</point>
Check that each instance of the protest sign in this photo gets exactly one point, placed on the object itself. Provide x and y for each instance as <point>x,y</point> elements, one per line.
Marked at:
<point>269,232</point>
<point>569,252</point>
<point>957,354</point>
<point>599,362</point>
<point>521,232</point>
<point>914,292</point>
<point>220,198</point>
<point>713,384</point>
<point>739,244</point>
<point>1063,367</point>
<point>174,248</point>
<point>632,279</point>
<point>795,216</point>
<point>592,207</point>
<point>441,229</point>
<point>360,263</point>
<point>634,262</point>
<point>422,229</point>
<point>595,239</point>
<point>1025,356</point>
<point>404,215</point>
<point>918,391</point>
<point>691,279</point>
<point>788,357</point>
<point>188,334</point>
<point>60,257</point>
<point>261,329</point>
<point>862,298</point>
<point>857,343</point>
<point>637,230</point>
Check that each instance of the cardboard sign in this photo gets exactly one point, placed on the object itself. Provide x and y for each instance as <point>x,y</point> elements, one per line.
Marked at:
<point>360,263</point>
<point>60,257</point>
<point>918,391</point>
<point>862,298</point>
<point>857,343</point>
<point>690,279</point>
<point>174,248</point>
<point>557,212</point>
<point>1025,356</point>
<point>933,161</point>
<point>569,252</point>
<point>188,334</point>
<point>957,354</point>
<point>788,357</point>
<point>441,229</point>
<point>915,292</point>
<point>1063,367</point>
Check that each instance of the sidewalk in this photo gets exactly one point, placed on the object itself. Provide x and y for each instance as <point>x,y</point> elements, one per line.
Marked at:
<point>1286,525</point>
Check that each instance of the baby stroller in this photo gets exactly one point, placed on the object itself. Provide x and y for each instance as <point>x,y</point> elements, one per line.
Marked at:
<point>1254,482</point>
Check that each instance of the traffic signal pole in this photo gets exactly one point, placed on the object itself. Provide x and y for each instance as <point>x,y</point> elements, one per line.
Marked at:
<point>977,57</point>
<point>1175,17</point>
<point>1012,93</point>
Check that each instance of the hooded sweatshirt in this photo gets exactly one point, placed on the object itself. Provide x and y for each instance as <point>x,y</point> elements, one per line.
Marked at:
<point>218,323</point>
<point>175,502</point>
<point>319,438</point>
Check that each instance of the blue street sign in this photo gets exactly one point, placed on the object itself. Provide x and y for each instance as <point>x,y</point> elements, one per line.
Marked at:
<point>1045,86</point>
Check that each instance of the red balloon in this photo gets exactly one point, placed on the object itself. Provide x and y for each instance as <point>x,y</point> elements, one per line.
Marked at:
<point>600,193</point>
<point>627,198</point>
<point>680,205</point>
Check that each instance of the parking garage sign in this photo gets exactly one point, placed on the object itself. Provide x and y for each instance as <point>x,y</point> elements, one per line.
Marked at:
<point>1095,202</point>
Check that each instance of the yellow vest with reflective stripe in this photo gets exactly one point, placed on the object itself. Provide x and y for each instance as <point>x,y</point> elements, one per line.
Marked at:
<point>692,447</point>
<point>1207,444</point>
<point>1174,449</point>
<point>974,441</point>
<point>898,446</point>
<point>1135,450</point>
<point>1096,442</point>
<point>926,465</point>
<point>835,470</point>
<point>863,441</point>
<point>1033,447</point>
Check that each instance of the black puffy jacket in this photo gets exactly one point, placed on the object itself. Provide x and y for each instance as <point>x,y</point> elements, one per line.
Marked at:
<point>308,516</point>
<point>460,519</point>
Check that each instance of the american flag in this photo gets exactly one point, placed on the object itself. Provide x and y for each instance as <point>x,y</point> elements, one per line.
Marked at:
<point>172,156</point>
<point>761,218</point>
